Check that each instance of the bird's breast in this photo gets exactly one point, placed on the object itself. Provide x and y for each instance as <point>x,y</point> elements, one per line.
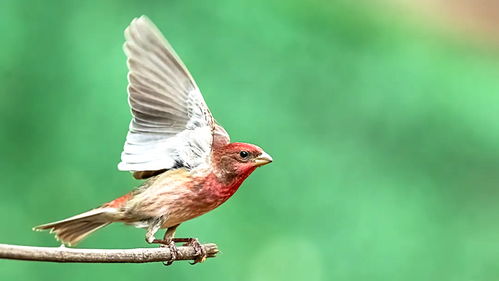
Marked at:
<point>200,196</point>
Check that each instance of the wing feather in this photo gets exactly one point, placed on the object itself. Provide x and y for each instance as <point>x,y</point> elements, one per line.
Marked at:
<point>171,125</point>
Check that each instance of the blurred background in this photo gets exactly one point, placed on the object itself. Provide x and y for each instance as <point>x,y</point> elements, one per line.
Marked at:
<point>382,118</point>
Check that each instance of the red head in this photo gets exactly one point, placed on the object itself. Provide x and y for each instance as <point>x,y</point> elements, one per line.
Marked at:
<point>236,161</point>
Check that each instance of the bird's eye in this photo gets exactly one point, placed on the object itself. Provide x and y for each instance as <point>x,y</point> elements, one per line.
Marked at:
<point>244,154</point>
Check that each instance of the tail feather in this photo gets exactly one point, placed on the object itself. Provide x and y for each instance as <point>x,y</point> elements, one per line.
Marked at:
<point>72,230</point>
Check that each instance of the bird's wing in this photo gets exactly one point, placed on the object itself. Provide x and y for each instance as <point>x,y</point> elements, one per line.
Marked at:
<point>171,125</point>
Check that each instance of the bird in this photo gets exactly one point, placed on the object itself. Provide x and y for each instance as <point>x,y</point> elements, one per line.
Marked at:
<point>185,156</point>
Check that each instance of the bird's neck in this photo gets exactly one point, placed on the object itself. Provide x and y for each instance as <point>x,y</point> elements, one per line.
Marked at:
<point>229,183</point>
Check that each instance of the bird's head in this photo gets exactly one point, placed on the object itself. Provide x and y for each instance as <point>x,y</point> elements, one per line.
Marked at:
<point>239,159</point>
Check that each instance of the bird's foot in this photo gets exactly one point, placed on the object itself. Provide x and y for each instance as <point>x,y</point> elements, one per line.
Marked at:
<point>194,242</point>
<point>170,243</point>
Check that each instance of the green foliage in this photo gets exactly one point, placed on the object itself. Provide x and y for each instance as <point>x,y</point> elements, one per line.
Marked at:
<point>384,138</point>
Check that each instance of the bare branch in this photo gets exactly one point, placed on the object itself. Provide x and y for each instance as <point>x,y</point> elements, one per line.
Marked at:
<point>138,255</point>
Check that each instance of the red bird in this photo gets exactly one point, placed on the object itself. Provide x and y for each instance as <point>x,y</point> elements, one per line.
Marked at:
<point>174,142</point>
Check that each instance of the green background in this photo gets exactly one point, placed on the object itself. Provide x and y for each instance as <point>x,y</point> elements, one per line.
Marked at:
<point>384,135</point>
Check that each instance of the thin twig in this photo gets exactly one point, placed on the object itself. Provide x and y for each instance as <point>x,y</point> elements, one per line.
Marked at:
<point>138,255</point>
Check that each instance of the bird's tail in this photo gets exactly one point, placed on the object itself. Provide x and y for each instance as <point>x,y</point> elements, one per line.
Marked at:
<point>72,230</point>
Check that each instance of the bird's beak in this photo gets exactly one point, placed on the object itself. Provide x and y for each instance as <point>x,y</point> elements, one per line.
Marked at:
<point>263,159</point>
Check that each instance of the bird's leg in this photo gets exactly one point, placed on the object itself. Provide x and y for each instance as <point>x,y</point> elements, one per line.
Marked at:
<point>154,226</point>
<point>194,242</point>
<point>168,241</point>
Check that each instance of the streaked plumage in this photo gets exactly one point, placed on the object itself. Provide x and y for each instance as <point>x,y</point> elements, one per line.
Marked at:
<point>173,140</point>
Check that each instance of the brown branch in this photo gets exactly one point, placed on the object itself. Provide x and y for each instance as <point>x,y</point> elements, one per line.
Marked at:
<point>138,255</point>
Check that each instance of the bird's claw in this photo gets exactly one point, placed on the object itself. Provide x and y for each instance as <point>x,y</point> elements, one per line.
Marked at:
<point>170,243</point>
<point>174,253</point>
<point>200,251</point>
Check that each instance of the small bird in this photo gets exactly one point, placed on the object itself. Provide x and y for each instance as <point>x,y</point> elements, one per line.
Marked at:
<point>174,142</point>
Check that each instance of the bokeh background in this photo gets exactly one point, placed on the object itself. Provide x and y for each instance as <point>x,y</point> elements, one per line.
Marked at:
<point>382,118</point>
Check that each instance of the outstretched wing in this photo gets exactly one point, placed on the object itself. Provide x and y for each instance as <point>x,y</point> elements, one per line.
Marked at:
<point>171,125</point>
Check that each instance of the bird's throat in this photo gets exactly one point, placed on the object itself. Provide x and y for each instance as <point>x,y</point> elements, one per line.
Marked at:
<point>229,183</point>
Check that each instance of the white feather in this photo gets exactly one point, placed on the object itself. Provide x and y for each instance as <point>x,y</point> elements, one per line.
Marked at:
<point>171,123</point>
